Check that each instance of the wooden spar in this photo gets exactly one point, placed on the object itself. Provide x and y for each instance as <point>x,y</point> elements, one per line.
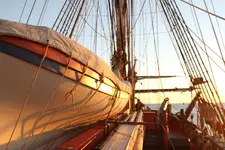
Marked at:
<point>164,90</point>
<point>133,116</point>
<point>125,136</point>
<point>133,123</point>
<point>153,77</point>
<point>191,105</point>
<point>133,139</point>
<point>140,138</point>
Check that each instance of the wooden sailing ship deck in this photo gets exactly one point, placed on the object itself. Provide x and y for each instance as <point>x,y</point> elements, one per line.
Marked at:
<point>155,130</point>
<point>106,90</point>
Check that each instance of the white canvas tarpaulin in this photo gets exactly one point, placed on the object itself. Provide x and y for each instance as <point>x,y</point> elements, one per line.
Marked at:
<point>44,35</point>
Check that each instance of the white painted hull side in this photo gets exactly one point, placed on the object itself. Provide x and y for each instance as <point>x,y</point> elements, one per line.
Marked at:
<point>16,78</point>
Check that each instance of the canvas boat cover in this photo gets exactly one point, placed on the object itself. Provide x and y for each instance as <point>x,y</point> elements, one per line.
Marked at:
<point>45,35</point>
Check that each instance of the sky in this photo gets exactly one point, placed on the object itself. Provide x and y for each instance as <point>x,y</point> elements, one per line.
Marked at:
<point>144,45</point>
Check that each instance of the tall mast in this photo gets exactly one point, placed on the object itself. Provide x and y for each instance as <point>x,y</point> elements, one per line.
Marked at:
<point>119,58</point>
<point>121,55</point>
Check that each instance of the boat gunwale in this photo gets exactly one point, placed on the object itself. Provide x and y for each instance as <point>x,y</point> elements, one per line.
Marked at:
<point>77,70</point>
<point>58,57</point>
<point>46,36</point>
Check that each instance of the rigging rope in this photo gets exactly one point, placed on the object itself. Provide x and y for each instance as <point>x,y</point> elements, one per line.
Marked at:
<point>190,54</point>
<point>62,104</point>
<point>77,110</point>
<point>70,20</point>
<point>204,10</point>
<point>68,13</point>
<point>24,6</point>
<point>199,28</point>
<point>155,45</point>
<point>205,90</point>
<point>28,94</point>
<point>152,15</point>
<point>59,16</point>
<point>173,42</point>
<point>204,43</point>
<point>137,17</point>
<point>31,11</point>
<point>183,35</point>
<point>75,23</point>
<point>43,12</point>
<point>47,104</point>
<point>86,22</point>
<point>214,31</point>
<point>111,15</point>
<point>182,64</point>
<point>64,13</point>
<point>81,25</point>
<point>180,47</point>
<point>193,16</point>
<point>103,29</point>
<point>96,28</point>
<point>218,25</point>
<point>114,98</point>
<point>213,86</point>
<point>167,135</point>
<point>208,89</point>
<point>210,57</point>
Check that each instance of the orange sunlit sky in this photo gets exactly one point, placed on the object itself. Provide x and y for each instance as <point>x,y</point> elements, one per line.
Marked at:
<point>146,46</point>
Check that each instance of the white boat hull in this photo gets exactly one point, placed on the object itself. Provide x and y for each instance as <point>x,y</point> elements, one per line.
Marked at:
<point>85,106</point>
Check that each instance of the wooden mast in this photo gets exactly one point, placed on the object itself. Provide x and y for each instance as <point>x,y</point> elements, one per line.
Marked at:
<point>119,58</point>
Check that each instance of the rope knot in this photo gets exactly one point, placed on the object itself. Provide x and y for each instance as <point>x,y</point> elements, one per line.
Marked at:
<point>101,78</point>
